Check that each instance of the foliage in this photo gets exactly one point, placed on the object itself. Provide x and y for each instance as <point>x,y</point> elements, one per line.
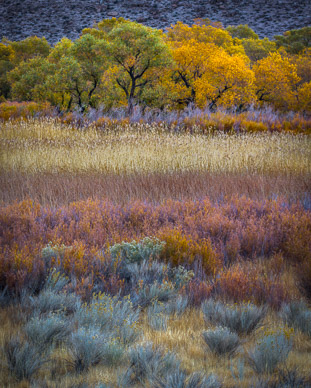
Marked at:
<point>49,301</point>
<point>45,331</point>
<point>148,362</point>
<point>297,315</point>
<point>180,379</point>
<point>295,41</point>
<point>242,31</point>
<point>24,360</point>
<point>136,252</point>
<point>279,91</point>
<point>119,63</point>
<point>156,317</point>
<point>221,341</point>
<point>242,319</point>
<point>269,352</point>
<point>207,230</point>
<point>89,347</point>
<point>110,315</point>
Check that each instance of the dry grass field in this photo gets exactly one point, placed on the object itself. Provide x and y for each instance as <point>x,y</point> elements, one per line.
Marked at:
<point>54,164</point>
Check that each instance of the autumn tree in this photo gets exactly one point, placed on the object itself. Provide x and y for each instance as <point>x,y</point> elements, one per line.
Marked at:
<point>203,33</point>
<point>28,79</point>
<point>138,52</point>
<point>209,70</point>
<point>5,66</point>
<point>294,41</point>
<point>242,31</point>
<point>276,81</point>
<point>28,48</point>
<point>228,81</point>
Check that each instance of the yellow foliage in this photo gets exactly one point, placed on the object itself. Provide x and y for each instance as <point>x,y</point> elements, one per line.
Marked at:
<point>276,79</point>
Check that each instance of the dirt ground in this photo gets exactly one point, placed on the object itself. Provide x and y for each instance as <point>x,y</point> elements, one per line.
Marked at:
<point>55,19</point>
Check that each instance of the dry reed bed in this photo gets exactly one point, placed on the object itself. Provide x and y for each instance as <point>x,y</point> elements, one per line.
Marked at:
<point>61,189</point>
<point>45,145</point>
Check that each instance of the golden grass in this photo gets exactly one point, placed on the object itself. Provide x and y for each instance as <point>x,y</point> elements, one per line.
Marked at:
<point>45,145</point>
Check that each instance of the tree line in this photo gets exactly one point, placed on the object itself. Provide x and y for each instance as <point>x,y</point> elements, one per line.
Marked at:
<point>118,62</point>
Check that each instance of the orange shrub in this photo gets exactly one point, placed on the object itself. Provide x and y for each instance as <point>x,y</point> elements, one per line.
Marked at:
<point>182,249</point>
<point>248,283</point>
<point>14,110</point>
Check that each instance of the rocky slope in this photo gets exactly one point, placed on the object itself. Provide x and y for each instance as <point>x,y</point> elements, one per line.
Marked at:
<point>57,18</point>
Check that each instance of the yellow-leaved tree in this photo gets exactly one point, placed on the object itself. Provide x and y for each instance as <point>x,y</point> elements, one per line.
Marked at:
<point>207,74</point>
<point>228,81</point>
<point>276,81</point>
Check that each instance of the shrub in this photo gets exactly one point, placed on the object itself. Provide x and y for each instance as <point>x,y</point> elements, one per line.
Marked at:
<point>304,277</point>
<point>249,282</point>
<point>180,249</point>
<point>147,272</point>
<point>177,305</point>
<point>181,276</point>
<point>109,314</point>
<point>47,330</point>
<point>221,341</point>
<point>23,359</point>
<point>156,318</point>
<point>148,362</point>
<point>136,252</point>
<point>198,291</point>
<point>14,110</point>
<point>269,352</point>
<point>56,281</point>
<point>242,319</point>
<point>162,292</point>
<point>49,301</point>
<point>179,379</point>
<point>297,315</point>
<point>89,347</point>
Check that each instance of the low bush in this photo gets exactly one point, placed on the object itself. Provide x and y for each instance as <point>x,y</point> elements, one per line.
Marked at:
<point>270,351</point>
<point>49,301</point>
<point>45,331</point>
<point>221,341</point>
<point>156,316</point>
<point>242,319</point>
<point>162,292</point>
<point>297,315</point>
<point>149,363</point>
<point>146,272</point>
<point>23,359</point>
<point>110,315</point>
<point>177,306</point>
<point>136,252</point>
<point>89,347</point>
<point>180,379</point>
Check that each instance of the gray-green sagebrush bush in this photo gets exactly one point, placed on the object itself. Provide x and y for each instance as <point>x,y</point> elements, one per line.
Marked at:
<point>50,301</point>
<point>269,352</point>
<point>44,331</point>
<point>148,362</point>
<point>242,319</point>
<point>111,315</point>
<point>23,358</point>
<point>136,252</point>
<point>180,379</point>
<point>221,341</point>
<point>297,315</point>
<point>90,347</point>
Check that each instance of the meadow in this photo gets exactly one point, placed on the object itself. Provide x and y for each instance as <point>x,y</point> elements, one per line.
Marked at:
<point>143,255</point>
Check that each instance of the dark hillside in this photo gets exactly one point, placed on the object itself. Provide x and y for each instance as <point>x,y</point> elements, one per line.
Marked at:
<point>57,18</point>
